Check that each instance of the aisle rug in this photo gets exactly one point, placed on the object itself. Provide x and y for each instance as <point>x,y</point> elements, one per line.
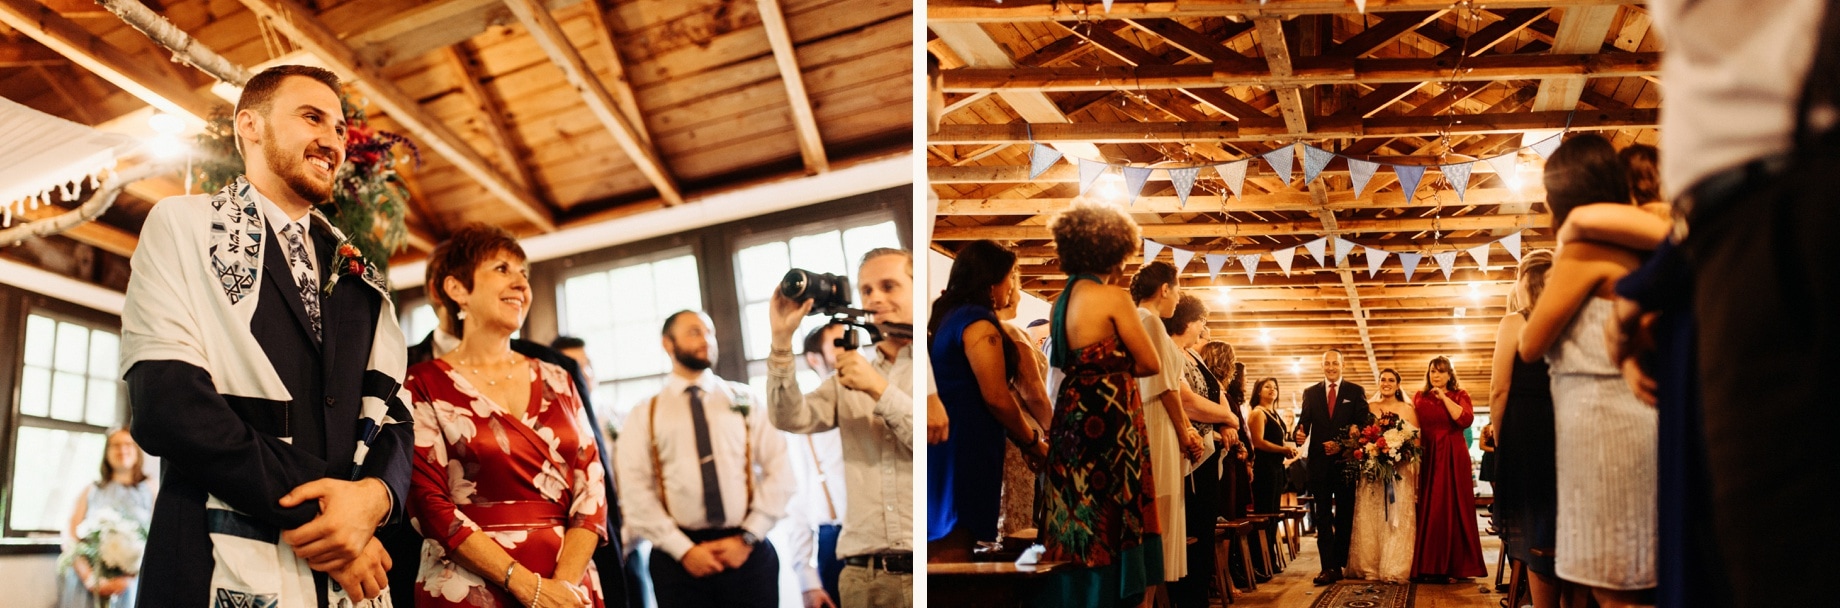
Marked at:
<point>1365,594</point>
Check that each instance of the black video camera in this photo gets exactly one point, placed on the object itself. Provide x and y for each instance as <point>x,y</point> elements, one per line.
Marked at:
<point>830,296</point>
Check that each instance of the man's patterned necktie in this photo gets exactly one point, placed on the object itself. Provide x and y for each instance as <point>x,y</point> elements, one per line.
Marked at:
<point>304,277</point>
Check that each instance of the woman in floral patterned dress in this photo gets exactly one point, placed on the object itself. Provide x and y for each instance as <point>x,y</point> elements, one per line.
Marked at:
<point>1098,492</point>
<point>503,447</point>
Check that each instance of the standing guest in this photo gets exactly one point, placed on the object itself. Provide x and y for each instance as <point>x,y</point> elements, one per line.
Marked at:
<point>1448,545</point>
<point>814,518</point>
<point>1526,501</point>
<point>1748,151</point>
<point>452,258</point>
<point>122,492</point>
<point>973,362</point>
<point>264,366</point>
<point>1606,533</point>
<point>1156,290</point>
<point>1328,407</point>
<point>1038,335</point>
<point>687,470</point>
<point>1219,426</point>
<point>1097,499</point>
<point>870,402</point>
<point>1029,388</point>
<point>509,486</point>
<point>1268,438</point>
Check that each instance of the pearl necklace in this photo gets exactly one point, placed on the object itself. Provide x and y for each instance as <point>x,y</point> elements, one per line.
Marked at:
<point>473,369</point>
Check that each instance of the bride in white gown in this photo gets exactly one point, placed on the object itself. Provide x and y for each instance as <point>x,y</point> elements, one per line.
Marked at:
<point>1380,545</point>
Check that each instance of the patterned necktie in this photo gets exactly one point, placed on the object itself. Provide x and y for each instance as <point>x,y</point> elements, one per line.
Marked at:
<point>302,265</point>
<point>705,454</point>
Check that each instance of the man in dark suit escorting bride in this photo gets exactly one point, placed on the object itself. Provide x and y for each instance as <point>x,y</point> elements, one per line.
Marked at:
<point>1328,407</point>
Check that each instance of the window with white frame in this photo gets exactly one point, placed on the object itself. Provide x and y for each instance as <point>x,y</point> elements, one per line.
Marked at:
<point>417,322</point>
<point>70,395</point>
<point>833,246</point>
<point>617,312</point>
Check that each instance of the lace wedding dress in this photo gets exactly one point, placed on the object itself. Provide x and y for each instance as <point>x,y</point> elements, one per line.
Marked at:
<point>1380,546</point>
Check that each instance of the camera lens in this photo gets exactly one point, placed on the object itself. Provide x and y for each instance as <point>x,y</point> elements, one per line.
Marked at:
<point>829,293</point>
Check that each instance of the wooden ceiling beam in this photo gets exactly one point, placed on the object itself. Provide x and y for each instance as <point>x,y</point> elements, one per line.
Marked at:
<point>301,26</point>
<point>430,26</point>
<point>1581,31</point>
<point>811,144</point>
<point>1230,132</point>
<point>1306,71</point>
<point>462,60</point>
<point>1017,11</point>
<point>18,55</point>
<point>976,48</point>
<point>63,36</point>
<point>1208,203</point>
<point>1221,100</point>
<point>548,34</point>
<point>1390,28</point>
<point>1278,62</point>
<point>1212,230</point>
<point>616,81</point>
<point>93,233</point>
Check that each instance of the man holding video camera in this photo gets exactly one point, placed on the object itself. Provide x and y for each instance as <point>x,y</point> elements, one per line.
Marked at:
<point>869,399</point>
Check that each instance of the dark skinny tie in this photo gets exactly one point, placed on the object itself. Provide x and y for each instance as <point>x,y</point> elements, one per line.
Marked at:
<point>705,454</point>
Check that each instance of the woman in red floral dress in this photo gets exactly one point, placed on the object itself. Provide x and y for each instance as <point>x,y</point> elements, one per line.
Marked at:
<point>508,487</point>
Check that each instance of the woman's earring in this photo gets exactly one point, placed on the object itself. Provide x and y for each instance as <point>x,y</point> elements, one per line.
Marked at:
<point>462,315</point>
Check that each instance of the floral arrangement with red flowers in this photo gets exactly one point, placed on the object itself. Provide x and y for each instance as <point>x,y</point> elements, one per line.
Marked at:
<point>369,198</point>
<point>1377,448</point>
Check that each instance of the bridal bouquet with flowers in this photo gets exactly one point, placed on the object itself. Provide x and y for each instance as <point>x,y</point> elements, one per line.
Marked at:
<point>1376,449</point>
<point>112,544</point>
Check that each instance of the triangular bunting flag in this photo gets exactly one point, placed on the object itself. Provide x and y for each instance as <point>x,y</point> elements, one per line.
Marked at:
<point>1545,147</point>
<point>1089,173</point>
<point>1316,250</point>
<point>1134,178</point>
<point>1040,158</point>
<point>1281,160</point>
<point>1342,247</point>
<point>1361,171</point>
<point>1409,261</point>
<point>1314,161</point>
<point>1361,5</point>
<point>1108,5</point>
<point>1458,176</point>
<point>1408,178</point>
<point>1446,261</point>
<point>1512,243</point>
<point>1375,257</point>
<point>1184,181</point>
<point>1506,166</point>
<point>1214,262</point>
<point>1283,257</point>
<point>1481,254</point>
<point>1182,257</point>
<point>1151,249</point>
<point>1234,174</point>
<point>1251,262</point>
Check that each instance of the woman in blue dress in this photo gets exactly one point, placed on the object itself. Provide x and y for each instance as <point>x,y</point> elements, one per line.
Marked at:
<point>122,492</point>
<point>973,363</point>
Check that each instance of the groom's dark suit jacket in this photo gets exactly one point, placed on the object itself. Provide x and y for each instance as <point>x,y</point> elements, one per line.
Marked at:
<point>230,446</point>
<point>1350,409</point>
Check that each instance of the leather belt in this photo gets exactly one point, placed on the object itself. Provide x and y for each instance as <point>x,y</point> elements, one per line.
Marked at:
<point>900,563</point>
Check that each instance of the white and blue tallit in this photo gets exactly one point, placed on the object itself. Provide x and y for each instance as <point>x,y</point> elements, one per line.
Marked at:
<point>205,257</point>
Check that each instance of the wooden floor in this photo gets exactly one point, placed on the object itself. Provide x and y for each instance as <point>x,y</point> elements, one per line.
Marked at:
<point>1292,587</point>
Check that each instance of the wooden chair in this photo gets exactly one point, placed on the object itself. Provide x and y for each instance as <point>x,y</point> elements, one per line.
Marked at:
<point>1261,522</point>
<point>1231,534</point>
<point>1293,522</point>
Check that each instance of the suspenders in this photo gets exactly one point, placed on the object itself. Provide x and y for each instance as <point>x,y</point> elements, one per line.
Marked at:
<point>747,442</point>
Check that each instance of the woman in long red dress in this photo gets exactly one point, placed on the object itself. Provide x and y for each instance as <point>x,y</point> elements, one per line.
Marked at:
<point>508,486</point>
<point>1448,546</point>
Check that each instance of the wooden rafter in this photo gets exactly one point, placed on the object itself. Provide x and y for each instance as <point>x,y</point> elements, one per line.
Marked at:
<point>1278,60</point>
<point>1015,11</point>
<point>785,54</point>
<point>1581,30</point>
<point>1199,202</point>
<point>1218,98</point>
<point>1305,71</point>
<point>1227,132</point>
<point>491,114</point>
<point>159,89</point>
<point>1179,231</point>
<point>617,82</point>
<point>306,30</point>
<point>976,48</point>
<point>544,29</point>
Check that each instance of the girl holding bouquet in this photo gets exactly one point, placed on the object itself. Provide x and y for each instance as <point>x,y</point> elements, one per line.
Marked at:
<point>109,530</point>
<point>1380,548</point>
<point>1448,546</point>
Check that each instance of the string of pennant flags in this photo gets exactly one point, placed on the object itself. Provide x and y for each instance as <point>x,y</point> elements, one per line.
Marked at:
<point>1359,4</point>
<point>1446,260</point>
<point>1282,161</point>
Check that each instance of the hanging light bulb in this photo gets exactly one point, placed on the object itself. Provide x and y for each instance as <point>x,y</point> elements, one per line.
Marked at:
<point>1265,336</point>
